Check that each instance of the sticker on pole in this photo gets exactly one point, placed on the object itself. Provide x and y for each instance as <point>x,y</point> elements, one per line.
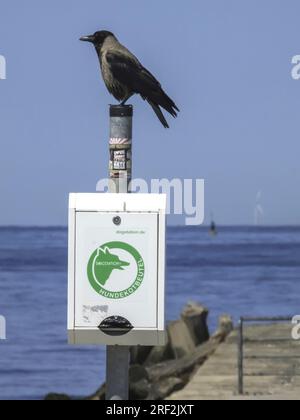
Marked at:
<point>116,270</point>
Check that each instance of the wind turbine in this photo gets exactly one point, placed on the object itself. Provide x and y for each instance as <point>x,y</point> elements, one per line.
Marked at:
<point>258,210</point>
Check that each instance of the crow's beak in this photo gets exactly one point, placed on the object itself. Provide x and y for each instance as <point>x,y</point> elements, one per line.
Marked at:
<point>89,38</point>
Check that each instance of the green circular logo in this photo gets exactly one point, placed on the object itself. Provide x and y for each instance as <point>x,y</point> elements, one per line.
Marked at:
<point>110,259</point>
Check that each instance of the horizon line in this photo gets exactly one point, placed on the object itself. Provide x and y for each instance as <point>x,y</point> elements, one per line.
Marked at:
<point>20,226</point>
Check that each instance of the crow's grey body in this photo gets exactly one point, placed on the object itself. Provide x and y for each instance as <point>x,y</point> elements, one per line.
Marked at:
<point>125,76</point>
<point>112,47</point>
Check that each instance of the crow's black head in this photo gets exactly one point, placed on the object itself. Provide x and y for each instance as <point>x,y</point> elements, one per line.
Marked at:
<point>98,38</point>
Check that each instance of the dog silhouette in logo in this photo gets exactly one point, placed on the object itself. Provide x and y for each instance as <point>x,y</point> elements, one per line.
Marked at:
<point>105,263</point>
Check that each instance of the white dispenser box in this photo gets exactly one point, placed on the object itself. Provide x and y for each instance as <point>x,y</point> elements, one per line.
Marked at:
<point>117,269</point>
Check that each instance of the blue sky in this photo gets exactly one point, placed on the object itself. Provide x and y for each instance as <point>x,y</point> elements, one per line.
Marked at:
<point>227,65</point>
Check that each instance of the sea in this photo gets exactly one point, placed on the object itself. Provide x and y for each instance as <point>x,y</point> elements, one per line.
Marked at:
<point>242,271</point>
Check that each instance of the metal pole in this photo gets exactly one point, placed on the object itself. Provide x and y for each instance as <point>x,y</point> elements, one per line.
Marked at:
<point>120,148</point>
<point>120,173</point>
<point>241,357</point>
<point>117,368</point>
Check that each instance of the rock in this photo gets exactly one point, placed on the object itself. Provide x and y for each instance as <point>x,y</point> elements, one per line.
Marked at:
<point>139,386</point>
<point>226,326</point>
<point>57,397</point>
<point>139,390</point>
<point>180,339</point>
<point>139,354</point>
<point>159,354</point>
<point>137,373</point>
<point>164,388</point>
<point>195,317</point>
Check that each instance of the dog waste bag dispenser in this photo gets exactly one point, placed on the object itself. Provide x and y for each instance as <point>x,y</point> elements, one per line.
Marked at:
<point>117,269</point>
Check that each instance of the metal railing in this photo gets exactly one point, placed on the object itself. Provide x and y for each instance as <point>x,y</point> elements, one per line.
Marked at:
<point>241,342</point>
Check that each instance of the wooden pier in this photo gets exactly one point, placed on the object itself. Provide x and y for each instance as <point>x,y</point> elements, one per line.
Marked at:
<point>271,368</point>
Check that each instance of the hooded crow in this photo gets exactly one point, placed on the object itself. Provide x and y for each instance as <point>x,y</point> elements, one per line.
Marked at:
<point>125,76</point>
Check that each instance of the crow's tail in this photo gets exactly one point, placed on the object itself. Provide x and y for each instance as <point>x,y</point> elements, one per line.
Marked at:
<point>159,99</point>
<point>158,112</point>
<point>167,103</point>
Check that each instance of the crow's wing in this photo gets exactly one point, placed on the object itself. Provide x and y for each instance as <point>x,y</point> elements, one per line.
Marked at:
<point>131,73</point>
<point>128,71</point>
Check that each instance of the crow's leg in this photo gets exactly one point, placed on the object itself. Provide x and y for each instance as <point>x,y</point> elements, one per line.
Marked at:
<point>123,103</point>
